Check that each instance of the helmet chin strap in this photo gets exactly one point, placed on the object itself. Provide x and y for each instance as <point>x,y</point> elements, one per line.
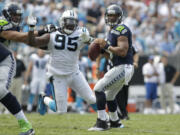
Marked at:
<point>14,23</point>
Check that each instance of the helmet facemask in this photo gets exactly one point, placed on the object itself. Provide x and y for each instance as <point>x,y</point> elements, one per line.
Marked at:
<point>69,22</point>
<point>16,19</point>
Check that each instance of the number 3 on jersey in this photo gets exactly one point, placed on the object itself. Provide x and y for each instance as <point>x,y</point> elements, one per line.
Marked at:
<point>61,42</point>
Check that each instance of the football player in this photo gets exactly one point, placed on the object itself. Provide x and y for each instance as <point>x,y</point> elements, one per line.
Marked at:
<point>117,48</point>
<point>64,45</point>
<point>37,66</point>
<point>9,27</point>
<point>122,96</point>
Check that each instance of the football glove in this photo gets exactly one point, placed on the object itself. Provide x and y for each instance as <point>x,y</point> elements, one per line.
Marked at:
<point>84,38</point>
<point>31,21</point>
<point>50,28</point>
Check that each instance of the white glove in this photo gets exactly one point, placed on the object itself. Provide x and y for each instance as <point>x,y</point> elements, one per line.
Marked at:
<point>84,38</point>
<point>31,21</point>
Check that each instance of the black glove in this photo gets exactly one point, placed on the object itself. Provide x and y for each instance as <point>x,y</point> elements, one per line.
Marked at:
<point>50,28</point>
<point>47,29</point>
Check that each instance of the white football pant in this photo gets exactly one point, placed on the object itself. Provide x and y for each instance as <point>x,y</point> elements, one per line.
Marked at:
<point>114,79</point>
<point>7,72</point>
<point>75,81</point>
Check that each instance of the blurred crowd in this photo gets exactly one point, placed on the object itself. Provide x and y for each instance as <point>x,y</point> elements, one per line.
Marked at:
<point>155,24</point>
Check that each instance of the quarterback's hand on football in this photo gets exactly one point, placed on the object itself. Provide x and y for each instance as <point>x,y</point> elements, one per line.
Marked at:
<point>50,28</point>
<point>101,42</point>
<point>84,38</point>
<point>31,21</point>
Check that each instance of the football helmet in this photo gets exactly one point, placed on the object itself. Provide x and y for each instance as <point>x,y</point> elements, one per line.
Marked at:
<point>13,13</point>
<point>68,21</point>
<point>113,15</point>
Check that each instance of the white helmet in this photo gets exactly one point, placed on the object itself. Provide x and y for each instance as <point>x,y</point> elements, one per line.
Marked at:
<point>68,21</point>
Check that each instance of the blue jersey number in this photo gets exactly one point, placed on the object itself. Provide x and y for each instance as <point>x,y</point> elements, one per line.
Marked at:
<point>40,65</point>
<point>60,43</point>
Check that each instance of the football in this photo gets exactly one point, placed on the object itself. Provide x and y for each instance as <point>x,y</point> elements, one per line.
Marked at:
<point>94,50</point>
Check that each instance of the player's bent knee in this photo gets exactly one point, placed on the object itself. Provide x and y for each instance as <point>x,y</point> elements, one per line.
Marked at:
<point>91,100</point>
<point>3,91</point>
<point>97,88</point>
<point>110,97</point>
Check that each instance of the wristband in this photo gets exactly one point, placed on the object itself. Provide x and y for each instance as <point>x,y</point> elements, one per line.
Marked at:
<point>41,32</point>
<point>31,28</point>
<point>102,51</point>
<point>106,46</point>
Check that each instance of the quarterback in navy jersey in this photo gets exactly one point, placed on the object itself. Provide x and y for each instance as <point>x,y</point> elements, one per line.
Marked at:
<point>9,30</point>
<point>118,49</point>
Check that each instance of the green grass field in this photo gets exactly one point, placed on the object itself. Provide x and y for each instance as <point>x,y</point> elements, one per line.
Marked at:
<point>75,124</point>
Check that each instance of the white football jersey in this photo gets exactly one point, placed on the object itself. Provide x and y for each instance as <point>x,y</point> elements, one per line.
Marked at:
<point>39,66</point>
<point>64,51</point>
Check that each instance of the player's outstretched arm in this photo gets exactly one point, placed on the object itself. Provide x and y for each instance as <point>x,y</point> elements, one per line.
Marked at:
<point>38,42</point>
<point>15,36</point>
<point>34,41</point>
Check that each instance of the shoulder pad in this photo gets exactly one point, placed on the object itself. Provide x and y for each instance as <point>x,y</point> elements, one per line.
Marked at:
<point>122,29</point>
<point>5,25</point>
<point>119,28</point>
<point>3,22</point>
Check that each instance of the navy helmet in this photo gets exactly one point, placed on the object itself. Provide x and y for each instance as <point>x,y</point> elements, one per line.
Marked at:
<point>113,15</point>
<point>13,13</point>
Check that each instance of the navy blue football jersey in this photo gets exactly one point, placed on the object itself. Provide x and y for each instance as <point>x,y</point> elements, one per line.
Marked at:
<point>5,26</point>
<point>121,30</point>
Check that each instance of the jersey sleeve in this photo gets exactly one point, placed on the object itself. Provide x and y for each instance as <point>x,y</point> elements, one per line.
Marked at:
<point>134,50</point>
<point>122,31</point>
